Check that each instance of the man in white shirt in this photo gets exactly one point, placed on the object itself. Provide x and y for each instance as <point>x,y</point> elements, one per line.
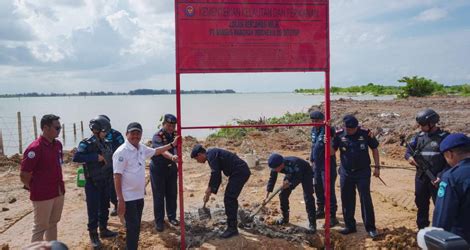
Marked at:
<point>129,179</point>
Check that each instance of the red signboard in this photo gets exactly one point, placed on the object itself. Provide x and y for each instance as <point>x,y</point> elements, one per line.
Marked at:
<point>251,36</point>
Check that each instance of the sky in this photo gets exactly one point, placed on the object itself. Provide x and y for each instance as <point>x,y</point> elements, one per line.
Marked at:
<point>120,45</point>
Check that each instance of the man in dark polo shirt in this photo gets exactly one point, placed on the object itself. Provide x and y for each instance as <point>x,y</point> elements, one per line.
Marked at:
<point>41,173</point>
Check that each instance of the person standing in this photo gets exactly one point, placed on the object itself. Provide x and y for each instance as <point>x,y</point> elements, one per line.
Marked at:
<point>116,139</point>
<point>317,158</point>
<point>353,143</point>
<point>41,174</point>
<point>164,175</point>
<point>453,197</point>
<point>129,179</point>
<point>297,171</point>
<point>96,154</point>
<point>222,161</point>
<point>423,153</point>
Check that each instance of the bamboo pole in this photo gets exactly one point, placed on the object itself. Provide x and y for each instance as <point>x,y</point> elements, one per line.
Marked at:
<point>35,127</point>
<point>20,133</point>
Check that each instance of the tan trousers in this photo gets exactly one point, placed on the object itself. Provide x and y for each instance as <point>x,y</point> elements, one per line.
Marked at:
<point>46,216</point>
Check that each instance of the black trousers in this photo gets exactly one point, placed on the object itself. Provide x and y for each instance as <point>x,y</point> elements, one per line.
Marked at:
<point>232,191</point>
<point>349,182</point>
<point>133,218</point>
<point>320,187</point>
<point>307,186</point>
<point>424,190</point>
<point>163,178</point>
<point>97,203</point>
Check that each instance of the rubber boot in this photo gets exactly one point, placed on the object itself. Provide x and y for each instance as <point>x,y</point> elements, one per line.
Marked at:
<point>106,233</point>
<point>95,240</point>
<point>231,230</point>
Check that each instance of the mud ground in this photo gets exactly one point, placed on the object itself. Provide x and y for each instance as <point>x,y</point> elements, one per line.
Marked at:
<point>394,204</point>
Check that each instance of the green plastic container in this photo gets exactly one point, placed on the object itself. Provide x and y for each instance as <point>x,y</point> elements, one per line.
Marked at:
<point>81,181</point>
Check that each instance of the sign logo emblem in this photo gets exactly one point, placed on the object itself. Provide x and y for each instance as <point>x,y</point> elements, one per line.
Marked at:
<point>189,11</point>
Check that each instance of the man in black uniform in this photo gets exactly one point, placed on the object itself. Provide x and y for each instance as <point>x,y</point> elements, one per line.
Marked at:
<point>232,166</point>
<point>96,154</point>
<point>297,171</point>
<point>164,175</point>
<point>353,143</point>
<point>116,139</point>
<point>423,153</point>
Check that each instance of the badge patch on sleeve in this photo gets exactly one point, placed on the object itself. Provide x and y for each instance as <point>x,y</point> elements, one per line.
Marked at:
<point>121,158</point>
<point>442,189</point>
<point>31,154</point>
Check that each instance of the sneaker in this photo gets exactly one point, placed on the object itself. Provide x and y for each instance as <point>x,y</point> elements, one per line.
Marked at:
<point>373,234</point>
<point>347,231</point>
<point>174,222</point>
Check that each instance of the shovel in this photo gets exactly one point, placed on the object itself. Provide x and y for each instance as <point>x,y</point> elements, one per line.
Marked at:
<point>204,212</point>
<point>250,218</point>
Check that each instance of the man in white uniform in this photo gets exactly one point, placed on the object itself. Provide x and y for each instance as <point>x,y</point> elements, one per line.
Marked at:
<point>129,179</point>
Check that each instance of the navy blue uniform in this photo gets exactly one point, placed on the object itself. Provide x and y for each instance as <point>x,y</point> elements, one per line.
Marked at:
<point>222,161</point>
<point>426,145</point>
<point>116,139</point>
<point>98,177</point>
<point>453,201</point>
<point>163,178</point>
<point>317,157</point>
<point>355,172</point>
<point>296,171</point>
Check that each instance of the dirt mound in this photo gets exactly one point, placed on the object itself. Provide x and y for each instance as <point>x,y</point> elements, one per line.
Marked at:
<point>7,162</point>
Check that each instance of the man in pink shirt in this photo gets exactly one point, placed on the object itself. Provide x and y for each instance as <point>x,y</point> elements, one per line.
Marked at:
<point>41,174</point>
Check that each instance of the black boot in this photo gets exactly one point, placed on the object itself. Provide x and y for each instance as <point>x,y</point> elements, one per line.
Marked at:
<point>320,214</point>
<point>114,211</point>
<point>95,240</point>
<point>312,227</point>
<point>106,233</point>
<point>231,230</point>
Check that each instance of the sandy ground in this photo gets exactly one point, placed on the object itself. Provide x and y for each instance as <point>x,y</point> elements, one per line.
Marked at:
<point>394,204</point>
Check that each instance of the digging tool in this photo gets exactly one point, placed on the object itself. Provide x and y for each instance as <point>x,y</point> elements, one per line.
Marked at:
<point>250,218</point>
<point>380,178</point>
<point>204,212</point>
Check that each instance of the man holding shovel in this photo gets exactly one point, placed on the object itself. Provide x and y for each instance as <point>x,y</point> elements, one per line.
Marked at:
<point>235,169</point>
<point>296,171</point>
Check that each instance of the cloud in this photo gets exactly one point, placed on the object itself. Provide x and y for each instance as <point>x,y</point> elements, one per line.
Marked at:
<point>432,14</point>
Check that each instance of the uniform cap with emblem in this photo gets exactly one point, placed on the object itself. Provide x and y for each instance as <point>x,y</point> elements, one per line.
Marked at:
<point>317,115</point>
<point>350,121</point>
<point>134,126</point>
<point>198,148</point>
<point>169,118</point>
<point>275,160</point>
<point>454,140</point>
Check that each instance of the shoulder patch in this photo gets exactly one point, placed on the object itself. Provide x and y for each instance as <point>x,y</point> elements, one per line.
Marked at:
<point>442,189</point>
<point>31,154</point>
<point>121,159</point>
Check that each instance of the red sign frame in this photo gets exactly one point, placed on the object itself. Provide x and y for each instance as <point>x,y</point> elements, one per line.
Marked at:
<point>217,36</point>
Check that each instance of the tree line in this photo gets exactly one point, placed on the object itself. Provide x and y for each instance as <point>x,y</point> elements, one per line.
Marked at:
<point>414,86</point>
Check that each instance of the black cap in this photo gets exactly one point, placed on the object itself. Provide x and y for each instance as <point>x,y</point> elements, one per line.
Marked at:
<point>275,160</point>
<point>198,148</point>
<point>169,118</point>
<point>350,121</point>
<point>317,115</point>
<point>134,126</point>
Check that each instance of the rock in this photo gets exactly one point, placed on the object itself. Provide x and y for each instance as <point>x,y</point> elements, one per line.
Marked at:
<point>191,195</point>
<point>12,200</point>
<point>4,209</point>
